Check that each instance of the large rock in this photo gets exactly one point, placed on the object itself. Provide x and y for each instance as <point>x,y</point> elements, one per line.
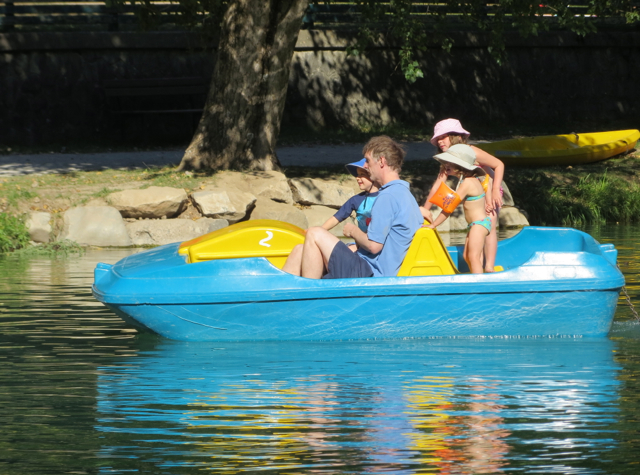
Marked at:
<point>312,191</point>
<point>318,215</point>
<point>156,232</point>
<point>95,226</point>
<point>152,202</point>
<point>39,226</point>
<point>444,227</point>
<point>269,209</point>
<point>455,222</point>
<point>224,203</point>
<point>512,217</point>
<point>507,199</point>
<point>268,184</point>
<point>273,185</point>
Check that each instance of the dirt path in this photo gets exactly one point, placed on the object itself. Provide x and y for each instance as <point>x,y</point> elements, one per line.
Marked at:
<point>305,155</point>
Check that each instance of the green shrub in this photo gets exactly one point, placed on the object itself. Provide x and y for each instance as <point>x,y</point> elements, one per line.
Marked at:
<point>591,200</point>
<point>51,249</point>
<point>13,233</point>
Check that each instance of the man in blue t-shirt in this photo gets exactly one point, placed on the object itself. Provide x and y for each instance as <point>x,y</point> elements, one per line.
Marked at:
<point>395,217</point>
<point>360,203</point>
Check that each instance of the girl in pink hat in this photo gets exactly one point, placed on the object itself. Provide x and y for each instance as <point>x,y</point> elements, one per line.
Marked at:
<point>449,132</point>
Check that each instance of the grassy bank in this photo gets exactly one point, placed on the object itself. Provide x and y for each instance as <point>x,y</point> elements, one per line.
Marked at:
<point>599,193</point>
<point>56,193</point>
<point>603,192</point>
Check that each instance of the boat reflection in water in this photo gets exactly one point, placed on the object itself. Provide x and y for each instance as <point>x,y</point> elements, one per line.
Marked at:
<point>443,406</point>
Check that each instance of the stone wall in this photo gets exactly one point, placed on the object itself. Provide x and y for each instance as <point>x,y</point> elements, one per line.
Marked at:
<point>51,84</point>
<point>161,215</point>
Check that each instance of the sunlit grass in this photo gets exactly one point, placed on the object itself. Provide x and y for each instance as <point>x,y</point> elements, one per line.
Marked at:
<point>575,198</point>
<point>17,188</point>
<point>10,195</point>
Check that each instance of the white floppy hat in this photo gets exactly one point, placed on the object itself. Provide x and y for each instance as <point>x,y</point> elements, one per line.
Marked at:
<point>447,126</point>
<point>461,155</point>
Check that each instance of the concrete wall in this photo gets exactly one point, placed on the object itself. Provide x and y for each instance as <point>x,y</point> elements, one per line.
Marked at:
<point>51,84</point>
<point>557,81</point>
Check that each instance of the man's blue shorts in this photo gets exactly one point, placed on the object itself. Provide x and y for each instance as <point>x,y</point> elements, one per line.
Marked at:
<point>346,264</point>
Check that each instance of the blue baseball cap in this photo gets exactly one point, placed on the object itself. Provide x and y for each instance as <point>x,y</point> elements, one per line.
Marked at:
<point>353,167</point>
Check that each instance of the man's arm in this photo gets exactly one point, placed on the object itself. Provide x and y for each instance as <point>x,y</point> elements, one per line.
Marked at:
<point>361,238</point>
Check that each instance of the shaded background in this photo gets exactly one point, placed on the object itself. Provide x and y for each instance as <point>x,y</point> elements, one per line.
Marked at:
<point>52,85</point>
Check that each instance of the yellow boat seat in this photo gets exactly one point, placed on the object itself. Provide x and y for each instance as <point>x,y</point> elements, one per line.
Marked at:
<point>274,240</point>
<point>427,255</point>
<point>258,238</point>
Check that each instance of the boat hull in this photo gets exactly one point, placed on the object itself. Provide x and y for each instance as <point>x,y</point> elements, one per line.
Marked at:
<point>557,282</point>
<point>548,314</point>
<point>570,149</point>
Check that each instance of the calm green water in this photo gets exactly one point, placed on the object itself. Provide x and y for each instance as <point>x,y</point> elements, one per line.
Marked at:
<point>82,393</point>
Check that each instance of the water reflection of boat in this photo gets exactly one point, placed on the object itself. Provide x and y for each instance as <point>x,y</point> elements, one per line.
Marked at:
<point>454,406</point>
<point>228,286</point>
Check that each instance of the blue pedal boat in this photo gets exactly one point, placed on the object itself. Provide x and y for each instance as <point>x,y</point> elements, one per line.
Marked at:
<point>228,286</point>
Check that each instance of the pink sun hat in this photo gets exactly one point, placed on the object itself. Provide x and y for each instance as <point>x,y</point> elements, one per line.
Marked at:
<point>447,126</point>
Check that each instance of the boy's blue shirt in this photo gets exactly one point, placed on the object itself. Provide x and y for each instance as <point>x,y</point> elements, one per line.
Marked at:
<point>362,203</point>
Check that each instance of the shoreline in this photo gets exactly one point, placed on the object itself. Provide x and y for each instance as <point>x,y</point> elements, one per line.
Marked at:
<point>55,183</point>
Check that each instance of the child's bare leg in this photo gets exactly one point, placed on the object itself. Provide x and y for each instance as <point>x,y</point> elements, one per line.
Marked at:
<point>473,248</point>
<point>491,244</point>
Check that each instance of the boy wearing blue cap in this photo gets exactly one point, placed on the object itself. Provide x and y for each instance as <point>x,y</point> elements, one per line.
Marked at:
<point>360,203</point>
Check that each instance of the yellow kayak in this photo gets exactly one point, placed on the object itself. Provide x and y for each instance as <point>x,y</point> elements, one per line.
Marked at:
<point>570,149</point>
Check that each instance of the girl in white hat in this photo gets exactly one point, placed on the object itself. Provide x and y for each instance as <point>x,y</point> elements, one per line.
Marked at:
<point>459,161</point>
<point>449,132</point>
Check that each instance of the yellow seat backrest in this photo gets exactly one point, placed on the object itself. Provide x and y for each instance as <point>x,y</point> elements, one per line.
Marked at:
<point>259,238</point>
<point>427,255</point>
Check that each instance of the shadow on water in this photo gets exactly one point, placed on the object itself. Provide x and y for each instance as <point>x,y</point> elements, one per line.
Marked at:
<point>83,393</point>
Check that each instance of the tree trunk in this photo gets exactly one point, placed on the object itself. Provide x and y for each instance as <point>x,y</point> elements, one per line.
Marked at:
<point>241,121</point>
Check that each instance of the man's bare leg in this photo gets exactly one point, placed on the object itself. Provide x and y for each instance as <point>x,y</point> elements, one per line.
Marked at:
<point>318,245</point>
<point>293,265</point>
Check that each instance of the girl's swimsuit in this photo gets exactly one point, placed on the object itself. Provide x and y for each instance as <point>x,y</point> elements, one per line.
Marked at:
<point>486,222</point>
<point>469,198</point>
<point>474,198</point>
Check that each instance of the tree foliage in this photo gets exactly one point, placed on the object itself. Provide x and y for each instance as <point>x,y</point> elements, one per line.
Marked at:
<point>241,121</point>
<point>415,26</point>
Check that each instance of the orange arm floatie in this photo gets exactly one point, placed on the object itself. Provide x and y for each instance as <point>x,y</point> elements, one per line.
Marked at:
<point>446,198</point>
<point>485,183</point>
